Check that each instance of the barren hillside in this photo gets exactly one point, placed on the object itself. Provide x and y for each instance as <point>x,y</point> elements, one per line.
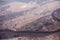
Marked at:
<point>19,16</point>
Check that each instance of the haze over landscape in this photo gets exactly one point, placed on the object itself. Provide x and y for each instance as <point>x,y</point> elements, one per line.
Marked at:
<point>16,14</point>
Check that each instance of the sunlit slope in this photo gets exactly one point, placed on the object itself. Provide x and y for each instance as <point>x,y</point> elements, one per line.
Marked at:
<point>29,16</point>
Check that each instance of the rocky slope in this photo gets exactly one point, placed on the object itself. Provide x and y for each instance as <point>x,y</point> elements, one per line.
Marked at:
<point>31,17</point>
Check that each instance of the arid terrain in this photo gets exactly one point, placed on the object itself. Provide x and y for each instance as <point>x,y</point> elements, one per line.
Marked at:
<point>23,16</point>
